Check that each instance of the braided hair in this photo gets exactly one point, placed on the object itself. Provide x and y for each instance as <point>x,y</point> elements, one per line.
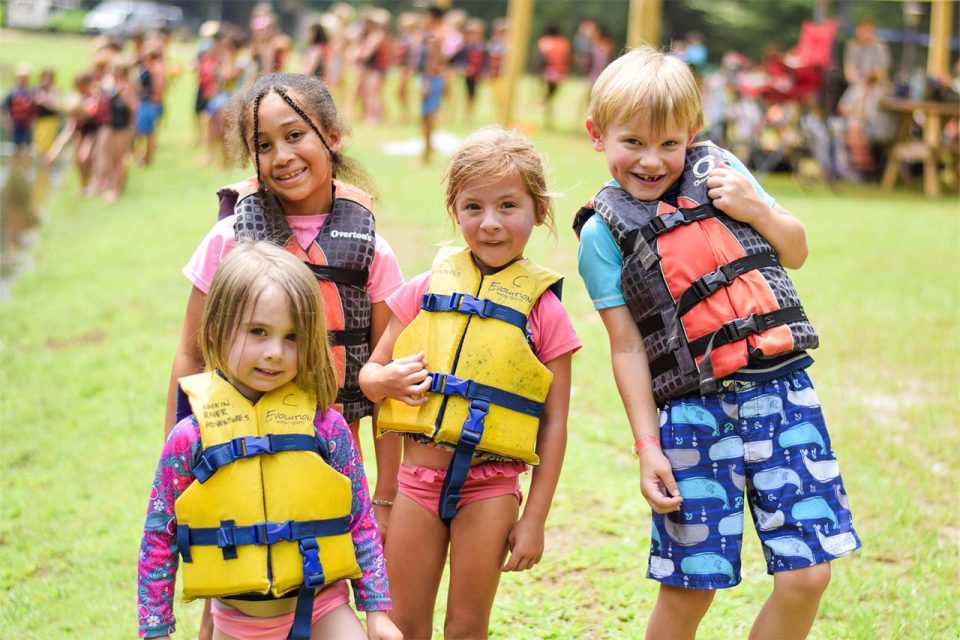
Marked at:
<point>297,90</point>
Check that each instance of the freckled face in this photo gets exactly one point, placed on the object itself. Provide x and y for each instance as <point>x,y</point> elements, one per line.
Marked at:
<point>294,164</point>
<point>496,219</point>
<point>643,161</point>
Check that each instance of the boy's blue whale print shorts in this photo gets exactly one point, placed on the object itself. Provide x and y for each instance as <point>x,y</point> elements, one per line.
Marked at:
<point>767,440</point>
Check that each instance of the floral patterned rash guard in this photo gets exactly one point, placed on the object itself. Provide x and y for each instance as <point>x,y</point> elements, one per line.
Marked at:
<point>159,558</point>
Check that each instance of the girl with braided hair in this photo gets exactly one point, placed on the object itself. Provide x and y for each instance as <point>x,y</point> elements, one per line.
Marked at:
<point>288,125</point>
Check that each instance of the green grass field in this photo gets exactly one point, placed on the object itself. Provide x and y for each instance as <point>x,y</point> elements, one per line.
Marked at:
<point>88,337</point>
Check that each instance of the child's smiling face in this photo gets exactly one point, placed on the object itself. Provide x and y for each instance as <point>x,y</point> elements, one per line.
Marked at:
<point>496,219</point>
<point>644,162</point>
<point>294,164</point>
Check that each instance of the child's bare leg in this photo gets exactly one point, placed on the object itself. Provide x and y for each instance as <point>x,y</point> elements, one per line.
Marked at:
<point>478,547</point>
<point>678,612</point>
<point>206,631</point>
<point>790,610</point>
<point>341,623</point>
<point>427,134</point>
<point>414,577</point>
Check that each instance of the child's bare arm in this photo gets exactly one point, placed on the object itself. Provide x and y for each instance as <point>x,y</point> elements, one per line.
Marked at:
<point>732,193</point>
<point>403,379</point>
<point>632,375</point>
<point>526,539</point>
<point>387,447</point>
<point>189,358</point>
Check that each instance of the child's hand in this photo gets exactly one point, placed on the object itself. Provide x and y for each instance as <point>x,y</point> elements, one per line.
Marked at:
<point>732,193</point>
<point>405,379</point>
<point>656,481</point>
<point>381,627</point>
<point>526,546</point>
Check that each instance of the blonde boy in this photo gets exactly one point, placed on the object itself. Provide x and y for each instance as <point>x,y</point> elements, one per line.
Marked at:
<point>705,326</point>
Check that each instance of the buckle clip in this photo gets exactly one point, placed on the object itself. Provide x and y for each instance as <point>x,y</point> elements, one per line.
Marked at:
<point>740,328</point>
<point>274,532</point>
<point>312,569</point>
<point>247,446</point>
<point>469,304</point>
<point>472,430</point>
<point>448,384</point>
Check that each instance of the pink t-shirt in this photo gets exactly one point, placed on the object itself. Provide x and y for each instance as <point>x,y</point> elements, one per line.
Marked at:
<point>385,276</point>
<point>552,331</point>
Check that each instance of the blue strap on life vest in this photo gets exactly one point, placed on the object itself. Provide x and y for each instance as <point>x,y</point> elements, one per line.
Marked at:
<point>449,385</point>
<point>481,307</point>
<point>481,396</point>
<point>470,435</point>
<point>222,454</point>
<point>313,579</point>
<point>183,406</point>
<point>228,535</point>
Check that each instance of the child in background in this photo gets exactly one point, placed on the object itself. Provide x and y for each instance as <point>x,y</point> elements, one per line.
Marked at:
<point>289,125</point>
<point>553,56</point>
<point>474,62</point>
<point>432,69</point>
<point>118,140</point>
<point>684,262</point>
<point>268,390</point>
<point>20,113</point>
<point>47,97</point>
<point>502,363</point>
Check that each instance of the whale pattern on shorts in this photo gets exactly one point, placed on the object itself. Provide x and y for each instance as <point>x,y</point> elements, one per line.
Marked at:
<point>759,448</point>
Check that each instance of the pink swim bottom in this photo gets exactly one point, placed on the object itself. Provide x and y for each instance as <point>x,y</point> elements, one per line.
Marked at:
<point>237,624</point>
<point>485,480</point>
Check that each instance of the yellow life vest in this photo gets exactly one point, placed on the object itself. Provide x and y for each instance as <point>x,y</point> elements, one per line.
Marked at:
<point>267,514</point>
<point>473,330</point>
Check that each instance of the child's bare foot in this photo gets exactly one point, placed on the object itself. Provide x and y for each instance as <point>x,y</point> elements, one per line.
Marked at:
<point>110,196</point>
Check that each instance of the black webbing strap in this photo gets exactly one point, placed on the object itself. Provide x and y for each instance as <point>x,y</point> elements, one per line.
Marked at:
<point>732,331</point>
<point>348,337</point>
<point>340,275</point>
<point>661,224</point>
<point>707,285</point>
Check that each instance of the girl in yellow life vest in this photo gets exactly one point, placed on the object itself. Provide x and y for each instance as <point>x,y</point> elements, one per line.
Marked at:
<point>260,490</point>
<point>474,370</point>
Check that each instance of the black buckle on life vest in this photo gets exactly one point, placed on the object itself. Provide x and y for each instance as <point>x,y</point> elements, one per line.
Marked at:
<point>661,223</point>
<point>739,329</point>
<point>705,285</point>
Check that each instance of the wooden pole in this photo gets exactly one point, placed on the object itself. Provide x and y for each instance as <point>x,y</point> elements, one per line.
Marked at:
<point>643,23</point>
<point>938,56</point>
<point>519,18</point>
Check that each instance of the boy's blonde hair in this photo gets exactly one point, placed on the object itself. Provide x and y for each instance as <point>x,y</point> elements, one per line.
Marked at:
<point>493,153</point>
<point>244,274</point>
<point>649,83</point>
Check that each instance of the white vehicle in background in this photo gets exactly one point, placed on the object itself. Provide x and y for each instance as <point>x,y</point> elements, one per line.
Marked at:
<point>34,14</point>
<point>129,17</point>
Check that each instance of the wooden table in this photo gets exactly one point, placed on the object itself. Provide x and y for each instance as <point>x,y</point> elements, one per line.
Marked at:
<point>927,150</point>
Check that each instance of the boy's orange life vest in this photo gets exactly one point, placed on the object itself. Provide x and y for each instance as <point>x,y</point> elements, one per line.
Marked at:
<point>340,257</point>
<point>705,290</point>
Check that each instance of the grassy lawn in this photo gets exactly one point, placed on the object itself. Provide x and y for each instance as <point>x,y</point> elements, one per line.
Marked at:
<point>88,337</point>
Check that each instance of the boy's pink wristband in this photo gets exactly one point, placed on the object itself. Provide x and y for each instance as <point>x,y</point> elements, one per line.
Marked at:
<point>645,441</point>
